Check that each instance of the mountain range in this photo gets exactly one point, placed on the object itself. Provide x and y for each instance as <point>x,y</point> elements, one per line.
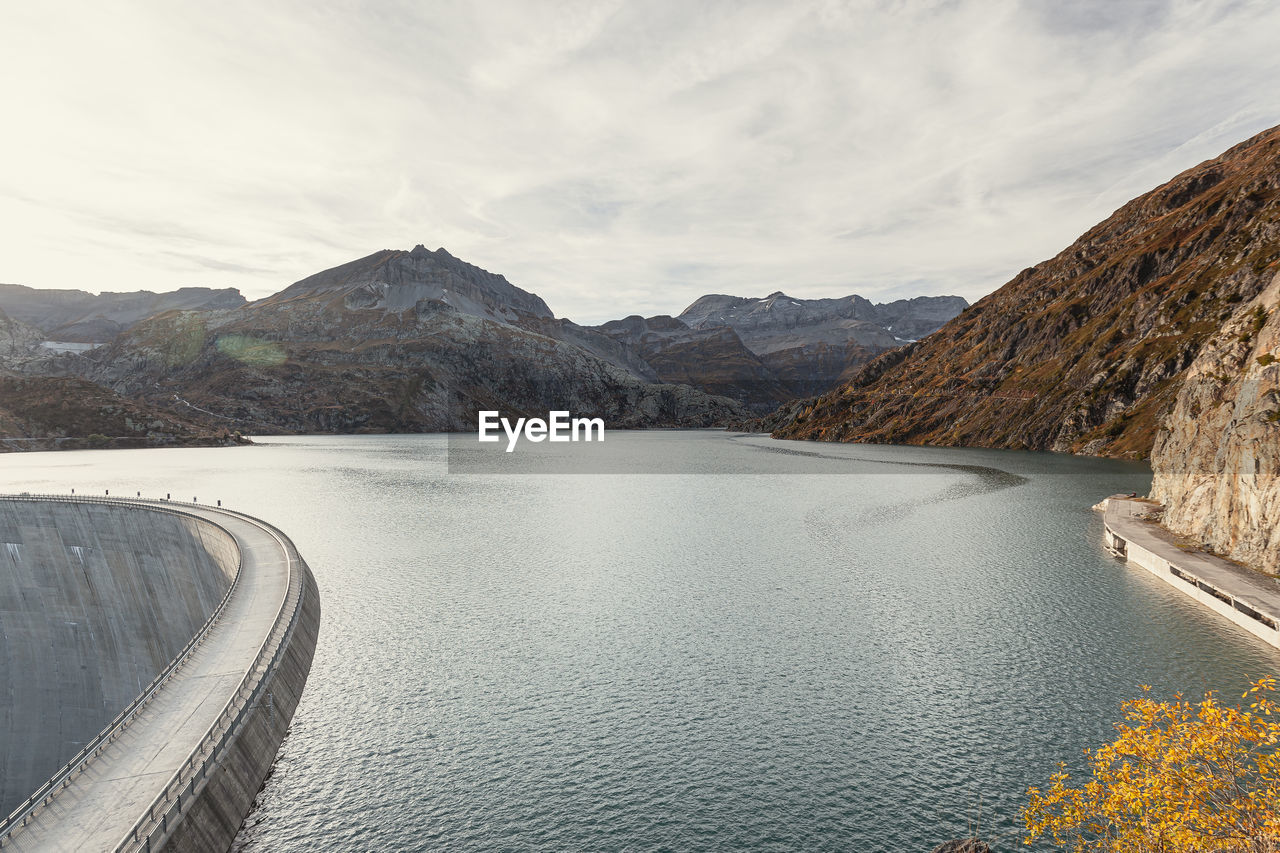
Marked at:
<point>419,340</point>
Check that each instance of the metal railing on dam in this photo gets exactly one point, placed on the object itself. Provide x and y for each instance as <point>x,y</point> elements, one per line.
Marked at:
<point>184,787</point>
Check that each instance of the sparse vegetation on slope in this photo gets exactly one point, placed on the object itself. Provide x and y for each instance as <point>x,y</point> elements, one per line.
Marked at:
<point>58,413</point>
<point>1084,352</point>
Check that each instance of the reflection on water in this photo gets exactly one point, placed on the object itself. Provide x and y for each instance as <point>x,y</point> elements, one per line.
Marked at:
<point>739,654</point>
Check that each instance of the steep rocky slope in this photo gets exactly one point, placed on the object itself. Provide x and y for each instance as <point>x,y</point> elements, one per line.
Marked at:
<point>1086,352</point>
<point>1217,459</point>
<point>78,316</point>
<point>397,341</point>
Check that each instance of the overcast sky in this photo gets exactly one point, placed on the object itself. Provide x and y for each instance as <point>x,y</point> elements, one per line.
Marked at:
<point>612,157</point>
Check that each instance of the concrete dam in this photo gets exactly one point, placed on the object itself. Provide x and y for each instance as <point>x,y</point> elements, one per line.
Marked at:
<point>151,656</point>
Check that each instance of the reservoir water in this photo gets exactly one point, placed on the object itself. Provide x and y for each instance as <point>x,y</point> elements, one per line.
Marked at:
<point>781,646</point>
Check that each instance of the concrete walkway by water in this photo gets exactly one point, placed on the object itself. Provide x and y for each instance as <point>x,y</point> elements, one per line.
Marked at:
<point>101,804</point>
<point>1248,598</point>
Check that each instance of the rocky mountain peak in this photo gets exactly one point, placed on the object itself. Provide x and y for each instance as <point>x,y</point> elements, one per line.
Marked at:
<point>761,351</point>
<point>394,280</point>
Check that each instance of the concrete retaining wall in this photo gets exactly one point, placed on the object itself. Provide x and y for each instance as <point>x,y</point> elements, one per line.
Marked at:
<point>1188,582</point>
<point>95,600</point>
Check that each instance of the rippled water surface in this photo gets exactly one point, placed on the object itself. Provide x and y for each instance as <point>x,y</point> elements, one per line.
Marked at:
<point>783,647</point>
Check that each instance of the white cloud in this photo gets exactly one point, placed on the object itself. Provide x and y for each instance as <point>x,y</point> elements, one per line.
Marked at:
<point>612,157</point>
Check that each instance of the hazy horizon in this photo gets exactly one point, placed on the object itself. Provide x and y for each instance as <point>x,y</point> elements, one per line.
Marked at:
<point>613,158</point>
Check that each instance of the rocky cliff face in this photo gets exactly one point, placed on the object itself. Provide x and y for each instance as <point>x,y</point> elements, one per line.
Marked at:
<point>1217,458</point>
<point>18,341</point>
<point>77,316</point>
<point>1086,352</point>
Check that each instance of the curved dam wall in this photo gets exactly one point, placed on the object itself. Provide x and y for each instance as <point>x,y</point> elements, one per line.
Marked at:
<point>95,600</point>
<point>220,806</point>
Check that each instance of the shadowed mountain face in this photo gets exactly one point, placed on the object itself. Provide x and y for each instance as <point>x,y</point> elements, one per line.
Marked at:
<point>397,341</point>
<point>714,359</point>
<point>80,317</point>
<point>1087,351</point>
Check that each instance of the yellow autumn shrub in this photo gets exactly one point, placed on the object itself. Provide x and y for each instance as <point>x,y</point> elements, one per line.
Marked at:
<point>1180,777</point>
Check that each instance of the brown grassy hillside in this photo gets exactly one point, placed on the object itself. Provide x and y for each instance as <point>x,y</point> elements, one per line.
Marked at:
<point>1084,352</point>
<point>41,412</point>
